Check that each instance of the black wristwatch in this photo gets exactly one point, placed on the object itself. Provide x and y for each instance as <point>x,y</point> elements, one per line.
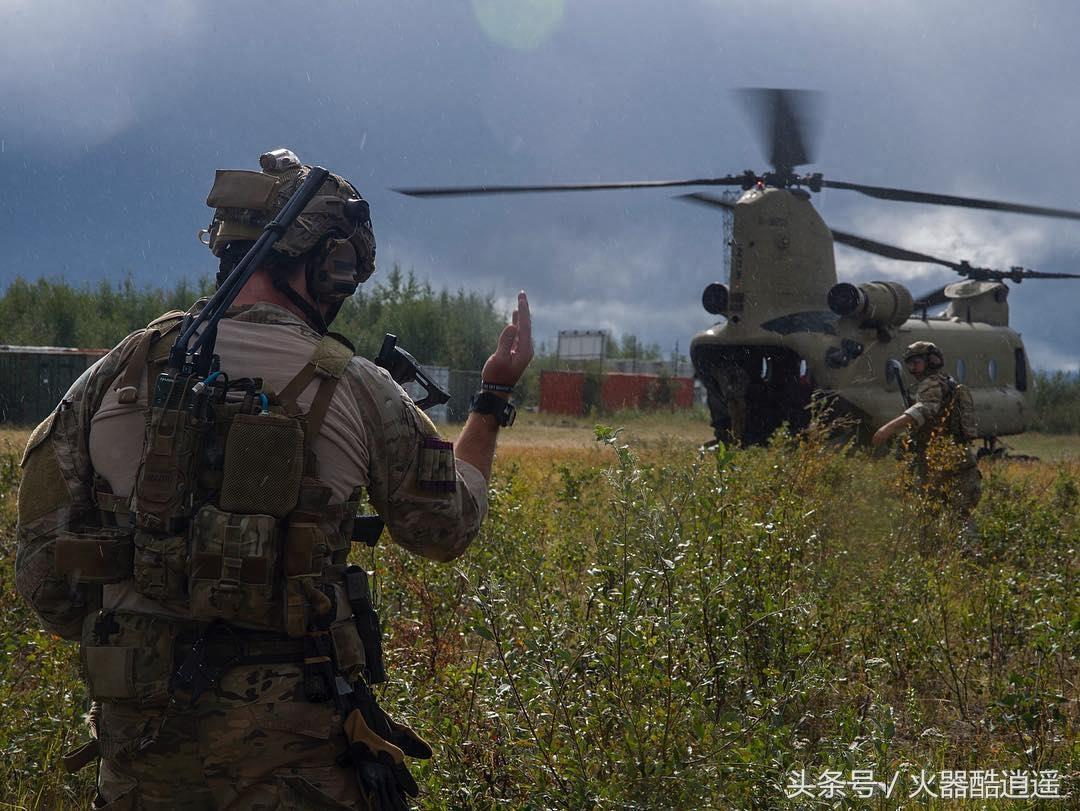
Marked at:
<point>484,402</point>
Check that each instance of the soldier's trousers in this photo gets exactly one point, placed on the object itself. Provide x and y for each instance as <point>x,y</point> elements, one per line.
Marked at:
<point>959,491</point>
<point>252,743</point>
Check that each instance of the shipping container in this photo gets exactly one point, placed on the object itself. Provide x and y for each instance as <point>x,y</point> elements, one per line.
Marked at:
<point>33,379</point>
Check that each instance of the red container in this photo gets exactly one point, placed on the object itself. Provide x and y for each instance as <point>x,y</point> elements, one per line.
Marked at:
<point>563,392</point>
<point>560,392</point>
<point>646,392</point>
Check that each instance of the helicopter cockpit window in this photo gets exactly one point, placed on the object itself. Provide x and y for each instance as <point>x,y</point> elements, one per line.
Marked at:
<point>991,370</point>
<point>961,370</point>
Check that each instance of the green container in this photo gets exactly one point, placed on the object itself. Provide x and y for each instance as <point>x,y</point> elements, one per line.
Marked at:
<point>33,379</point>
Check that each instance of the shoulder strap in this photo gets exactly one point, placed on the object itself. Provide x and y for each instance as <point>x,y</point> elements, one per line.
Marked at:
<point>127,388</point>
<point>328,362</point>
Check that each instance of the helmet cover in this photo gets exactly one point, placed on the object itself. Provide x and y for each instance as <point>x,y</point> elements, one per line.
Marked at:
<point>925,349</point>
<point>244,202</point>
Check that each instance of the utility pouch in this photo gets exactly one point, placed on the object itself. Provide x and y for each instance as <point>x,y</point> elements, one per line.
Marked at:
<point>167,474</point>
<point>97,556</point>
<point>366,620</point>
<point>161,566</point>
<point>348,649</point>
<point>264,460</point>
<point>128,656</point>
<point>232,567</point>
<point>305,549</point>
<point>306,552</point>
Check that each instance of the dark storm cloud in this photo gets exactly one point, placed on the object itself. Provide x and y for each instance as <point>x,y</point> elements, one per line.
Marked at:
<point>115,115</point>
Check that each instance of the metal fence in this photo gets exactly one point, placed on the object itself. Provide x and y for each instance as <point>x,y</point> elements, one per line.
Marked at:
<point>459,383</point>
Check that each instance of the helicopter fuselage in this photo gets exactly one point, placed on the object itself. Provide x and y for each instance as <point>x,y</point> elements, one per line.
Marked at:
<point>781,342</point>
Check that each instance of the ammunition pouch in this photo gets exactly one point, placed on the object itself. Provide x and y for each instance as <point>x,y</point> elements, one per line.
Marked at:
<point>232,567</point>
<point>160,570</point>
<point>166,480</point>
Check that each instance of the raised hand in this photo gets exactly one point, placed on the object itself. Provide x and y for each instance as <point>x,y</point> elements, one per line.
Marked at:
<point>515,349</point>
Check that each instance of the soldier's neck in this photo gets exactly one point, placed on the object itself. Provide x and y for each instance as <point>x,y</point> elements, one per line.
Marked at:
<point>259,289</point>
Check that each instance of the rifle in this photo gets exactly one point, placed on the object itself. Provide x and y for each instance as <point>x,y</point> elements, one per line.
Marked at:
<point>893,372</point>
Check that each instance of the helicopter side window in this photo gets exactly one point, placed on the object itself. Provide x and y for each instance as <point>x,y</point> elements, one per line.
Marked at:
<point>1021,369</point>
<point>991,370</point>
<point>961,370</point>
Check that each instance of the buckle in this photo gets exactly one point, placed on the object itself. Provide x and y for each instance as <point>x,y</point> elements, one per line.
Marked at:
<point>197,673</point>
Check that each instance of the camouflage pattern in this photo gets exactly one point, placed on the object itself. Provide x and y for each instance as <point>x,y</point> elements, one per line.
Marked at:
<point>252,743</point>
<point>920,349</point>
<point>941,456</point>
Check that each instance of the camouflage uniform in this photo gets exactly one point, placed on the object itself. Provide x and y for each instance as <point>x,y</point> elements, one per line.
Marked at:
<point>253,741</point>
<point>943,461</point>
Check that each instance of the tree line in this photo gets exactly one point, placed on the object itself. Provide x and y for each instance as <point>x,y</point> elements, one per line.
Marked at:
<point>443,328</point>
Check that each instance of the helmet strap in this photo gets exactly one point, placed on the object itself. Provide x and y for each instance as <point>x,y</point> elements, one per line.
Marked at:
<point>312,314</point>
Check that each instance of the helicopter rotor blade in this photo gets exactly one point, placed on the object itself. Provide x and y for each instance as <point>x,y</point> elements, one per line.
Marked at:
<point>787,122</point>
<point>1014,274</point>
<point>891,251</point>
<point>1018,274</point>
<point>704,199</point>
<point>466,191</point>
<point>931,299</point>
<point>908,196</point>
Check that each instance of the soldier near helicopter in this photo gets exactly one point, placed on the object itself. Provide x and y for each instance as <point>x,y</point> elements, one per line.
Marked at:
<point>942,424</point>
<point>186,513</point>
<point>727,388</point>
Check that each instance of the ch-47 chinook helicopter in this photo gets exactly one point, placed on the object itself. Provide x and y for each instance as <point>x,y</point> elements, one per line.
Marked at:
<point>791,331</point>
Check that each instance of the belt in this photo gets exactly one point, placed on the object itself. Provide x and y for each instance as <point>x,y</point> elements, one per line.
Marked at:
<point>226,648</point>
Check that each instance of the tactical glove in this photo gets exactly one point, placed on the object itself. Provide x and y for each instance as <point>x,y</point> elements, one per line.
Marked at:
<point>380,764</point>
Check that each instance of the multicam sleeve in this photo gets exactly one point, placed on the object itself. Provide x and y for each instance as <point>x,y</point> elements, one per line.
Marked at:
<point>55,494</point>
<point>433,503</point>
<point>929,399</point>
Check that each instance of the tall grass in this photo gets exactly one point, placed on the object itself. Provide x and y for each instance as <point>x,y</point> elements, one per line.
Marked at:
<point>655,627</point>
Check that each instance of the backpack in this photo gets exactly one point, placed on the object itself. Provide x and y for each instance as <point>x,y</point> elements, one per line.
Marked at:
<point>960,420</point>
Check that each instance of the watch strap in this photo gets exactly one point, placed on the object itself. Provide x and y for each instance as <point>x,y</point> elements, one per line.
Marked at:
<point>485,402</point>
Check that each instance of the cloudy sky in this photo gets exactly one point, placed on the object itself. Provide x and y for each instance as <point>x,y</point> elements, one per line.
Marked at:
<point>114,116</point>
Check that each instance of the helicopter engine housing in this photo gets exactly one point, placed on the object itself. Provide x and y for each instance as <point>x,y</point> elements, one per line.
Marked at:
<point>883,304</point>
<point>715,299</point>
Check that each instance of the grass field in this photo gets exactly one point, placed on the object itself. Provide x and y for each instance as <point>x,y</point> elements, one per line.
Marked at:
<point>642,625</point>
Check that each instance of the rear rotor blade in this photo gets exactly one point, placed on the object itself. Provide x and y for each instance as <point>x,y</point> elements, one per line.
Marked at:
<point>931,299</point>
<point>786,121</point>
<point>907,196</point>
<point>1015,274</point>
<point>891,251</point>
<point>465,191</point>
<point>705,199</point>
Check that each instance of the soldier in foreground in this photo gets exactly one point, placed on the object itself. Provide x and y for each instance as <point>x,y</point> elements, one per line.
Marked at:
<point>942,420</point>
<point>186,514</point>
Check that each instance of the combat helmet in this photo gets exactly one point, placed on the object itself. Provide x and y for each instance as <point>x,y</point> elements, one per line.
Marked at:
<point>335,224</point>
<point>927,350</point>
